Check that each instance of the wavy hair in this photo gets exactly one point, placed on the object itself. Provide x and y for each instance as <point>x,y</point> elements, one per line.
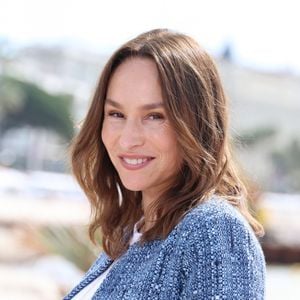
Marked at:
<point>198,111</point>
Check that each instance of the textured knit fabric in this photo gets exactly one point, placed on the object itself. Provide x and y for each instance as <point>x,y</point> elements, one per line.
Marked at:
<point>88,291</point>
<point>212,253</point>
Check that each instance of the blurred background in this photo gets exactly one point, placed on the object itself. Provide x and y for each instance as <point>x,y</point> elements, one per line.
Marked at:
<point>51,55</point>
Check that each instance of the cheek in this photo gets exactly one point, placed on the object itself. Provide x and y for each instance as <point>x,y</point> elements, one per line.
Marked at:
<point>107,141</point>
<point>106,136</point>
<point>173,147</point>
<point>111,131</point>
<point>166,141</point>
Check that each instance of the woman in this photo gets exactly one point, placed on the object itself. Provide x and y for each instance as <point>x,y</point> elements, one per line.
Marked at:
<point>153,157</point>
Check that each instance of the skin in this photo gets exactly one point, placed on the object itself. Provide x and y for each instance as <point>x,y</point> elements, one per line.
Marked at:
<point>136,126</point>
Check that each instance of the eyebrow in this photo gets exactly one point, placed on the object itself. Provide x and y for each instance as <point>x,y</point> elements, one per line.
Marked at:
<point>142,107</point>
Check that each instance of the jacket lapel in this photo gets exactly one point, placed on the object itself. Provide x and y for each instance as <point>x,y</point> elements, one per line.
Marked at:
<point>98,267</point>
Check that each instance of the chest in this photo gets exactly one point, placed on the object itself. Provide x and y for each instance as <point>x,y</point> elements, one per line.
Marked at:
<point>150,273</point>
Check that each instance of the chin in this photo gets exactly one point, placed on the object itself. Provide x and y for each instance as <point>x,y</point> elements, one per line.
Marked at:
<point>133,186</point>
<point>133,189</point>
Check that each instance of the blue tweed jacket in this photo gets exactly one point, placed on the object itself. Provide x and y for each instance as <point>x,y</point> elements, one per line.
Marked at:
<point>211,254</point>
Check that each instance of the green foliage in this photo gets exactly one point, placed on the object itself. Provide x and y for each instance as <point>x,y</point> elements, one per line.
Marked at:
<point>24,103</point>
<point>11,97</point>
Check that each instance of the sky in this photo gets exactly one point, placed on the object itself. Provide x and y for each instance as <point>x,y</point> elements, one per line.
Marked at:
<point>264,34</point>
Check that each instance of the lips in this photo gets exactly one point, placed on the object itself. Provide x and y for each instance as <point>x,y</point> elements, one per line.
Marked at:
<point>135,162</point>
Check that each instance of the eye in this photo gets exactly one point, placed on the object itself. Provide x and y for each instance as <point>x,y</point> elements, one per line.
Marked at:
<point>115,114</point>
<point>155,116</point>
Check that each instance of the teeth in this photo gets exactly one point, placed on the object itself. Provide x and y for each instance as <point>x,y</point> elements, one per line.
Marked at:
<point>135,161</point>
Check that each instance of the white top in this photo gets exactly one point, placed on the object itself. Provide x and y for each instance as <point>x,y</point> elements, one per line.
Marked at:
<point>88,291</point>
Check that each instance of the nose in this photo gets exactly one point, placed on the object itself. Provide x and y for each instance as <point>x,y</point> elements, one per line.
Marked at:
<point>132,135</point>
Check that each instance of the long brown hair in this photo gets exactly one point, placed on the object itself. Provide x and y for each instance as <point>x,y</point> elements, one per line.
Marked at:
<point>198,110</point>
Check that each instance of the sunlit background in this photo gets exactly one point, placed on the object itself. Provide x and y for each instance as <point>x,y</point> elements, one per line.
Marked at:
<point>51,54</point>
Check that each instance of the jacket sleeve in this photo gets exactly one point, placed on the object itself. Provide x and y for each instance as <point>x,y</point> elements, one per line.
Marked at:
<point>223,260</point>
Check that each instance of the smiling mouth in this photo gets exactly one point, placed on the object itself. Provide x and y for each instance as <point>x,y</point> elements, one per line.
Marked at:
<point>135,163</point>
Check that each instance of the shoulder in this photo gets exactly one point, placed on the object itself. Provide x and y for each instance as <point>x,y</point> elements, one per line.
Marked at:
<point>214,211</point>
<point>219,253</point>
<point>216,224</point>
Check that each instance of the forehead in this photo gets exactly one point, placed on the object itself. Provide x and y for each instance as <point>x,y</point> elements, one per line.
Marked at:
<point>136,78</point>
<point>137,65</point>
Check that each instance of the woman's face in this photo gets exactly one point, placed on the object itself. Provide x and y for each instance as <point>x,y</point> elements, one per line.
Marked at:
<point>136,131</point>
